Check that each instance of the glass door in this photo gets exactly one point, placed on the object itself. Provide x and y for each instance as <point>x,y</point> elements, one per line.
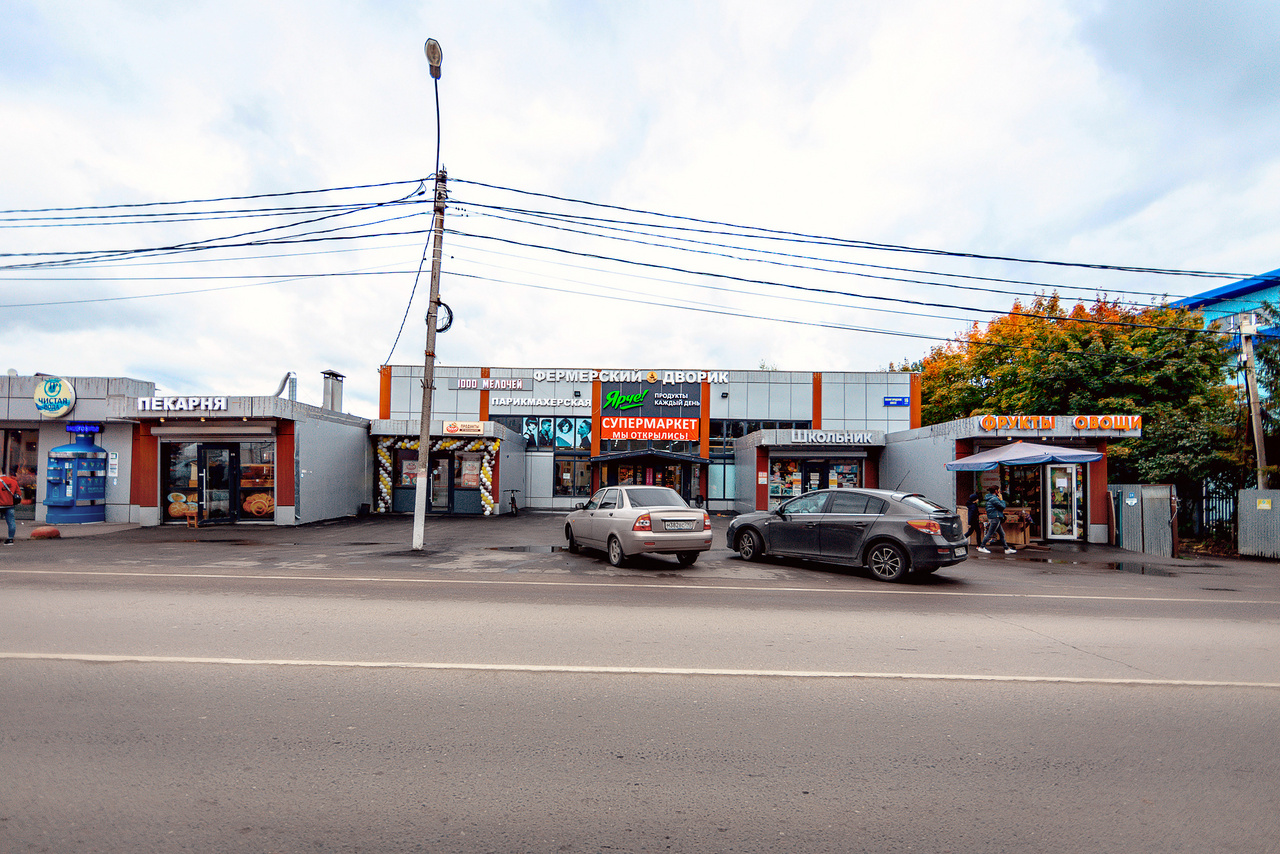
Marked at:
<point>814,475</point>
<point>218,467</point>
<point>441,482</point>
<point>1064,503</point>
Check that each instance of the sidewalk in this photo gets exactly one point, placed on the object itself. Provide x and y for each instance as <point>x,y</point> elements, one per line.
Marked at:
<point>26,526</point>
<point>546,528</point>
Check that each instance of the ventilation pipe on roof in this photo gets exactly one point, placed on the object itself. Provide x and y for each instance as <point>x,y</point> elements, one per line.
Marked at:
<point>332,390</point>
<point>292,382</point>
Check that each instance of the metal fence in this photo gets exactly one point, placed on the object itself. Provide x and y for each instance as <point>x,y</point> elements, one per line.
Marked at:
<point>1211,513</point>
<point>1144,515</point>
<point>1259,522</point>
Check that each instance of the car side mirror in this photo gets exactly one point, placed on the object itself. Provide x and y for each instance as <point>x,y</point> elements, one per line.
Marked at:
<point>579,506</point>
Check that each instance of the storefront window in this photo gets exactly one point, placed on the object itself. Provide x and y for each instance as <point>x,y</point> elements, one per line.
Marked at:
<point>845,474</point>
<point>180,475</point>
<point>573,476</point>
<point>784,481</point>
<point>258,479</point>
<point>466,470</point>
<point>19,459</point>
<point>405,467</point>
<point>720,481</point>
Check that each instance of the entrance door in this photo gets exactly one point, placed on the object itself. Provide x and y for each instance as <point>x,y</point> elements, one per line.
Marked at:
<point>441,482</point>
<point>813,475</point>
<point>1064,503</point>
<point>219,468</point>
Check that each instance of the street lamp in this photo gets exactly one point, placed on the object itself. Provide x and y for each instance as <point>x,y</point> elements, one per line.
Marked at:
<point>434,55</point>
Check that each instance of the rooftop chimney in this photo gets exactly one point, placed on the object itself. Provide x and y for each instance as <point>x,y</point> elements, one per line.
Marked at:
<point>332,390</point>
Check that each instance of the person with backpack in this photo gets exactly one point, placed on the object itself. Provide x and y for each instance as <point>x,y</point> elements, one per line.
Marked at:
<point>10,494</point>
<point>995,522</point>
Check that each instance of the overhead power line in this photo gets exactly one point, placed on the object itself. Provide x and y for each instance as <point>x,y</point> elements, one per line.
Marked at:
<point>770,283</point>
<point>418,181</point>
<point>866,244</point>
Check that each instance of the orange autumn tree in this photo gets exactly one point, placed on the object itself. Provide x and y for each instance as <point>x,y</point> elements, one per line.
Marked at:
<point>1105,358</point>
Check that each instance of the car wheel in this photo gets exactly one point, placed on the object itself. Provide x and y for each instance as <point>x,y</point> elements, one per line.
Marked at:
<point>887,562</point>
<point>616,555</point>
<point>750,546</point>
<point>568,535</point>
<point>686,558</point>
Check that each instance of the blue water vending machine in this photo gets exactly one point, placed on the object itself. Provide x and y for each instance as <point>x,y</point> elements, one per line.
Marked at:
<point>76,488</point>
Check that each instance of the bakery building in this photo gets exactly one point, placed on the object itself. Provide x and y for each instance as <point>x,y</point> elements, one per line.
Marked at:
<point>114,450</point>
<point>730,440</point>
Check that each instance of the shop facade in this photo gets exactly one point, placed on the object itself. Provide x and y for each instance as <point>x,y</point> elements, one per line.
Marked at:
<point>775,465</point>
<point>1053,501</point>
<point>576,430</point>
<point>201,460</point>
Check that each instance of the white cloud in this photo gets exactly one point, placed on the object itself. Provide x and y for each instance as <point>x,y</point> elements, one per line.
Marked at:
<point>1134,133</point>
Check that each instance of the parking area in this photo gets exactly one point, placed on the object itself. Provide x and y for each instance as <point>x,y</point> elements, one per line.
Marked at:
<point>534,544</point>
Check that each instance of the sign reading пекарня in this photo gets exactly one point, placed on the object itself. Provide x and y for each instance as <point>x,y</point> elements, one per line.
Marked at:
<point>649,429</point>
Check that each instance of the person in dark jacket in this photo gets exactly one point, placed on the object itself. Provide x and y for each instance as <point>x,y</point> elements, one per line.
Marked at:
<point>975,511</point>
<point>995,522</point>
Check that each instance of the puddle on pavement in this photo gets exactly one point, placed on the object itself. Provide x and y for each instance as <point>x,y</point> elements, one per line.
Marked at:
<point>240,542</point>
<point>544,550</point>
<point>1132,567</point>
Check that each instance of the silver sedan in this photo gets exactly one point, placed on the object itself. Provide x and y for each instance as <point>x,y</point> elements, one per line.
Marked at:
<point>629,520</point>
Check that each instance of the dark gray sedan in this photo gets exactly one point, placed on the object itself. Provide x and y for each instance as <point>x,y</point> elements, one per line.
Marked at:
<point>893,534</point>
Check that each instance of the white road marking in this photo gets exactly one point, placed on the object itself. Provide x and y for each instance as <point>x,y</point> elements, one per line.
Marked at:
<point>626,671</point>
<point>880,589</point>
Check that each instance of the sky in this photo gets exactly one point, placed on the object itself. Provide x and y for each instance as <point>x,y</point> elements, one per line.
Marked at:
<point>638,185</point>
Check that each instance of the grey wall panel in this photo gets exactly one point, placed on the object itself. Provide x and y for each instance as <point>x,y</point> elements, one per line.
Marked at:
<point>779,401</point>
<point>833,395</point>
<point>757,401</point>
<point>920,466</point>
<point>737,401</point>
<point>855,405</point>
<point>539,479</point>
<point>406,395</point>
<point>802,402</point>
<point>335,463</point>
<point>467,405</point>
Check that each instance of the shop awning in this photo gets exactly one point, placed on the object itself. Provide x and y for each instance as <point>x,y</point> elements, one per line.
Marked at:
<point>1023,454</point>
<point>669,456</point>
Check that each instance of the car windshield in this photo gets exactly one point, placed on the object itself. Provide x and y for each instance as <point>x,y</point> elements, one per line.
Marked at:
<point>919,502</point>
<point>655,496</point>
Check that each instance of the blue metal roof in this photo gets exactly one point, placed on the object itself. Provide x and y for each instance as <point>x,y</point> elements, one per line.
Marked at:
<point>1236,291</point>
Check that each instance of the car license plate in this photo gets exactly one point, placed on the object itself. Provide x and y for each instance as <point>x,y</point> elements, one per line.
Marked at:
<point>685,525</point>
<point>962,551</point>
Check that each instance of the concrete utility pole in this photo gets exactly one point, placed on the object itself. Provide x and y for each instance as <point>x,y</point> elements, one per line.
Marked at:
<point>423,480</point>
<point>1247,331</point>
<point>421,498</point>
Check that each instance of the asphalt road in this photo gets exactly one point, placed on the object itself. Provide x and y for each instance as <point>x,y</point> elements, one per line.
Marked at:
<point>327,689</point>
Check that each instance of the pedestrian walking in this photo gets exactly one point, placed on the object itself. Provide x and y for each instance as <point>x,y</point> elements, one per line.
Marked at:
<point>10,494</point>
<point>995,522</point>
<point>975,513</point>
